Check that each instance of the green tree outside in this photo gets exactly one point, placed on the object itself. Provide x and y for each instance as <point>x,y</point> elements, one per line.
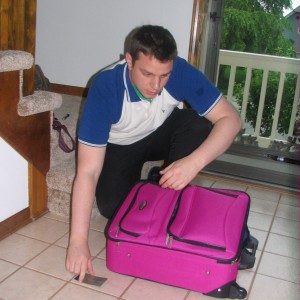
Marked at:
<point>258,27</point>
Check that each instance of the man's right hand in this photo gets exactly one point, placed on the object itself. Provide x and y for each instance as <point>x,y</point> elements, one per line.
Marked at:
<point>79,259</point>
<point>89,166</point>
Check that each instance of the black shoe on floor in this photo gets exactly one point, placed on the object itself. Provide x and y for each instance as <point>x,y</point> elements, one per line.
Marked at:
<point>247,260</point>
<point>154,175</point>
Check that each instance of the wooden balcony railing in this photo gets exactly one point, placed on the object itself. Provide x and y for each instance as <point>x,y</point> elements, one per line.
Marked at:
<point>250,61</point>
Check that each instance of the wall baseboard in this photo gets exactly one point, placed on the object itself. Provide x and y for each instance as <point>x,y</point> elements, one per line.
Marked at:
<point>69,89</point>
<point>15,222</point>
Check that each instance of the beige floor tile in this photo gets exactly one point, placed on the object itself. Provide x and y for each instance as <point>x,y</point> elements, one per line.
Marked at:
<point>7,268</point>
<point>245,278</point>
<point>288,212</point>
<point>260,235</point>
<point>53,216</point>
<point>263,206</point>
<point>64,241</point>
<point>146,290</point>
<point>115,284</point>
<point>286,227</point>
<point>97,241</point>
<point>267,288</point>
<point>102,254</point>
<point>293,200</point>
<point>263,194</point>
<point>202,182</point>
<point>51,262</point>
<point>29,285</point>
<point>229,185</point>
<point>98,223</point>
<point>198,296</point>
<point>76,292</point>
<point>45,229</point>
<point>259,221</point>
<point>20,249</point>
<point>273,280</point>
<point>283,245</point>
<point>280,267</point>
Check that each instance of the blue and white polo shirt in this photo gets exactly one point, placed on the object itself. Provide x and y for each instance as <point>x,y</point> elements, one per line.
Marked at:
<point>114,113</point>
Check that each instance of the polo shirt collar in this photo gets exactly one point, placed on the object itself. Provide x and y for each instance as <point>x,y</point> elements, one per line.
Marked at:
<point>131,94</point>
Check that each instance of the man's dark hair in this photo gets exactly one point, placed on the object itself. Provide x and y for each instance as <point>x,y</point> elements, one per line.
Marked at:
<point>152,40</point>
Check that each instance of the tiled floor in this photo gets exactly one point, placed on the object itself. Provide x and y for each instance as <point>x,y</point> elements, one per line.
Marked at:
<point>32,259</point>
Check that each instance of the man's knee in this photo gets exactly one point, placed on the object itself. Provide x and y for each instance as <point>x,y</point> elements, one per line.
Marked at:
<point>201,128</point>
<point>110,194</point>
<point>191,133</point>
<point>106,205</point>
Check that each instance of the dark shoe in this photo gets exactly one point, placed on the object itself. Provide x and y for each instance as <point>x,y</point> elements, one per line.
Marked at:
<point>252,243</point>
<point>154,175</point>
<point>247,260</point>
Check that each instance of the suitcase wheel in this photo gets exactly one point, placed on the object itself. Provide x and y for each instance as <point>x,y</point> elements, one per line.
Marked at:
<point>230,290</point>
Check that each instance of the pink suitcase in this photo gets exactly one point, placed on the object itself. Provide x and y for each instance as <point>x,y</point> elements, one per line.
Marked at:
<point>190,238</point>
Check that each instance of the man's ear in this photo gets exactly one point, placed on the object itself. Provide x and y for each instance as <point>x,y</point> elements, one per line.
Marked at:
<point>128,58</point>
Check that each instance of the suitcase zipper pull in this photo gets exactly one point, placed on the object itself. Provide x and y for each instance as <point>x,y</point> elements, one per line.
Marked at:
<point>169,241</point>
<point>232,263</point>
<point>117,231</point>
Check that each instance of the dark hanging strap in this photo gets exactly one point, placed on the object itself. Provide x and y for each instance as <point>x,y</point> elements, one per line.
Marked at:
<point>62,130</point>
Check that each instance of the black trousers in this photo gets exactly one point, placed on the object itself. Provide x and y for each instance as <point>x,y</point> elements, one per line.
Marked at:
<point>182,132</point>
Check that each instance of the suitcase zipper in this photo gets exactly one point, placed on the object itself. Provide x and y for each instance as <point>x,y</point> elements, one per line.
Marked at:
<point>129,232</point>
<point>169,241</point>
<point>221,192</point>
<point>127,211</point>
<point>171,237</point>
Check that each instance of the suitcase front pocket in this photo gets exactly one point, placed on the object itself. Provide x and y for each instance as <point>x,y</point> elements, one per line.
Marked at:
<point>145,210</point>
<point>200,218</point>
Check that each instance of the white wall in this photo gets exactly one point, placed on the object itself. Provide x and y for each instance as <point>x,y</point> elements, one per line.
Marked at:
<point>77,38</point>
<point>13,182</point>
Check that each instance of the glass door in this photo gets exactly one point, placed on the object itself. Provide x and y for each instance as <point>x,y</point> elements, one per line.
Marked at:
<point>265,89</point>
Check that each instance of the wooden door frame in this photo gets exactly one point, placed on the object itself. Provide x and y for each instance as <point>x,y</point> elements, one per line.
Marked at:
<point>205,37</point>
<point>18,32</point>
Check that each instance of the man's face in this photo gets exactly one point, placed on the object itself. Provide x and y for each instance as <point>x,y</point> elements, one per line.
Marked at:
<point>148,74</point>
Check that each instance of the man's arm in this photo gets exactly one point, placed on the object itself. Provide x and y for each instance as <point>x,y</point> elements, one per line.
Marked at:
<point>90,162</point>
<point>227,124</point>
